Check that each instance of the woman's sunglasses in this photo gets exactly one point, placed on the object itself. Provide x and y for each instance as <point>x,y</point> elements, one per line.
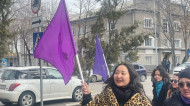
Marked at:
<point>174,81</point>
<point>181,84</point>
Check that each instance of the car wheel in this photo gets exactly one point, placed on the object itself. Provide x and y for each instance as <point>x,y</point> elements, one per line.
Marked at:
<point>26,99</point>
<point>142,78</point>
<point>77,94</point>
<point>7,103</point>
<point>93,79</point>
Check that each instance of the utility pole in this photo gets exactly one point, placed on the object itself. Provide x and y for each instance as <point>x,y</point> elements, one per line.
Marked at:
<point>155,33</point>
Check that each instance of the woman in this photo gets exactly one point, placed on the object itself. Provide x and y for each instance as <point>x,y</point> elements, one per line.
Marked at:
<point>173,86</point>
<point>160,85</point>
<point>181,97</point>
<point>123,89</point>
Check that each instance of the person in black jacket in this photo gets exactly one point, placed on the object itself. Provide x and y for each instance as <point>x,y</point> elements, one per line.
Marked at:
<point>160,79</point>
<point>181,97</point>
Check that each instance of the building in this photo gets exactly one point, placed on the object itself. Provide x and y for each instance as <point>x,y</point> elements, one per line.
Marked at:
<point>153,18</point>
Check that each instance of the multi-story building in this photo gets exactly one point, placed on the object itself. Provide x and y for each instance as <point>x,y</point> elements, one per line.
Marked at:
<point>153,17</point>
<point>148,14</point>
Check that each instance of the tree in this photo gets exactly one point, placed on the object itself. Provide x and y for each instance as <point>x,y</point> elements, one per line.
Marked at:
<point>15,26</point>
<point>185,25</point>
<point>15,30</point>
<point>169,11</point>
<point>23,30</point>
<point>119,40</point>
<point>4,25</point>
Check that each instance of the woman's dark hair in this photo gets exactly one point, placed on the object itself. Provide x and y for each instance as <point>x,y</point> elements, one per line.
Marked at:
<point>134,83</point>
<point>163,73</point>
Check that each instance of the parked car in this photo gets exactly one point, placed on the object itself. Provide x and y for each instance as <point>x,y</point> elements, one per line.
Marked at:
<point>96,77</point>
<point>141,70</point>
<point>93,77</point>
<point>181,67</point>
<point>22,85</point>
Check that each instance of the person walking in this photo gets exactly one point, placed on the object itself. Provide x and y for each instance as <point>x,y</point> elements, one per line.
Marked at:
<point>167,65</point>
<point>173,86</point>
<point>123,89</point>
<point>160,79</point>
<point>164,63</point>
<point>181,97</point>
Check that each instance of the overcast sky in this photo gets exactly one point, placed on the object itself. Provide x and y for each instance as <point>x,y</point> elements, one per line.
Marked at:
<point>70,7</point>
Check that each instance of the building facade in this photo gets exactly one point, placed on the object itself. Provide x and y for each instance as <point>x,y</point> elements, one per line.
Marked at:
<point>152,16</point>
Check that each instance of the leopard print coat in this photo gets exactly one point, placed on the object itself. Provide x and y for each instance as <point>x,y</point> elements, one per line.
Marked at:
<point>107,98</point>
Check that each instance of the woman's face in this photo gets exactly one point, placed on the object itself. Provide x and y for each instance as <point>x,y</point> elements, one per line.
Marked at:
<point>175,81</point>
<point>121,76</point>
<point>184,89</point>
<point>157,76</point>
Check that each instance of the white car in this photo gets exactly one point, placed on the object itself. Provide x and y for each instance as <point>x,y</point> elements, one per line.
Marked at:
<point>96,77</point>
<point>22,85</point>
<point>181,67</point>
<point>93,77</point>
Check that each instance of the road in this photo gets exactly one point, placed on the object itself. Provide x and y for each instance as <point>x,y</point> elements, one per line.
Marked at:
<point>96,88</point>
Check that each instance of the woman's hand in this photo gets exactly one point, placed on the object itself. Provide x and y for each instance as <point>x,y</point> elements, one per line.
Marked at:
<point>85,88</point>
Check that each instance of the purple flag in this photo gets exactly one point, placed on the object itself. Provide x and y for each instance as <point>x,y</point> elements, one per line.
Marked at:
<point>57,44</point>
<point>100,66</point>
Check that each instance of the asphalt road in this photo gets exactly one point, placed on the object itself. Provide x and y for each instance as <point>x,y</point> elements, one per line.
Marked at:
<point>96,88</point>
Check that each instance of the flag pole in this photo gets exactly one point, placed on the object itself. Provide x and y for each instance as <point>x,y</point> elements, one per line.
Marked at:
<point>106,65</point>
<point>77,58</point>
<point>41,79</point>
<point>100,64</point>
<point>105,61</point>
<point>80,70</point>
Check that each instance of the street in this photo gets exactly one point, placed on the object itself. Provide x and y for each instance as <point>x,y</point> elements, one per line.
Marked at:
<point>96,88</point>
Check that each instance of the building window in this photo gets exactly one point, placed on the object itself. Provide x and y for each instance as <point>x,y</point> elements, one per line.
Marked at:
<point>10,48</point>
<point>149,42</point>
<point>148,23</point>
<point>112,26</point>
<point>82,30</point>
<point>177,43</point>
<point>148,60</point>
<point>177,59</point>
<point>165,26</point>
<point>176,25</point>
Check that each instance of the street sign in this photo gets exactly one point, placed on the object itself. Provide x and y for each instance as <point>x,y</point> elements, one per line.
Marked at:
<point>35,6</point>
<point>37,22</point>
<point>188,52</point>
<point>36,38</point>
<point>4,62</point>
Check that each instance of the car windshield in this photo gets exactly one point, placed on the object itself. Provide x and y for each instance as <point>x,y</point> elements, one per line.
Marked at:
<point>184,64</point>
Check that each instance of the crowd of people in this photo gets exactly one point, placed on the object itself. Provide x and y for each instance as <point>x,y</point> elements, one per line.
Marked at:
<point>124,89</point>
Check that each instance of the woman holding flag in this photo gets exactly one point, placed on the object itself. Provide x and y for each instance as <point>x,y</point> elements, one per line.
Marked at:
<point>123,89</point>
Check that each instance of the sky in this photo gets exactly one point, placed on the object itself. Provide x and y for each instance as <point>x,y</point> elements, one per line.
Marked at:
<point>70,6</point>
<point>74,9</point>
